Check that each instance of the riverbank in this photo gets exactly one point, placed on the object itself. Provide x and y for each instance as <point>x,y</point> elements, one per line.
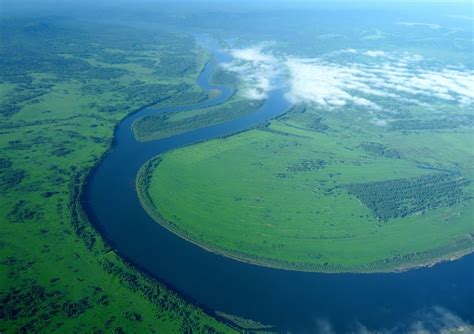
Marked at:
<point>58,272</point>
<point>142,186</point>
<point>235,287</point>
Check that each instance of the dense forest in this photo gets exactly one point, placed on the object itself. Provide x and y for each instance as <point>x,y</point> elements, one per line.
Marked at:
<point>399,198</point>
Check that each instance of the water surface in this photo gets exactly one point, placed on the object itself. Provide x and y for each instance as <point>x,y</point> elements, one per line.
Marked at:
<point>296,301</point>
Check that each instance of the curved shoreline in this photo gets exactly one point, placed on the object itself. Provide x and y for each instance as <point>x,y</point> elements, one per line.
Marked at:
<point>82,205</point>
<point>150,208</point>
<point>215,282</point>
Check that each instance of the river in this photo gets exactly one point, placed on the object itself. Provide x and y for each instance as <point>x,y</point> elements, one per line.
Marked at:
<point>296,301</point>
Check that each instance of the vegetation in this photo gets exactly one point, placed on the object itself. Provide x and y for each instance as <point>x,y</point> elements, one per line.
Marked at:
<point>379,149</point>
<point>433,124</point>
<point>249,325</point>
<point>295,196</point>
<point>221,77</point>
<point>165,124</point>
<point>400,198</point>
<point>64,86</point>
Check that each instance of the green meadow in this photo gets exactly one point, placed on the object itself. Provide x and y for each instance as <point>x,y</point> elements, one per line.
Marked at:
<point>168,124</point>
<point>65,85</point>
<point>314,191</point>
<point>163,125</point>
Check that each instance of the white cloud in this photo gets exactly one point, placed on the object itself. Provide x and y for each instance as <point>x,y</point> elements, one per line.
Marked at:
<point>419,24</point>
<point>349,51</point>
<point>323,326</point>
<point>435,319</point>
<point>332,85</point>
<point>462,17</point>
<point>438,319</point>
<point>406,59</point>
<point>374,53</point>
<point>379,122</point>
<point>325,84</point>
<point>252,55</point>
<point>256,69</point>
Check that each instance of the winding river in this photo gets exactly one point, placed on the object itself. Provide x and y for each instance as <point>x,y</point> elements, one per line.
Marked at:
<point>296,301</point>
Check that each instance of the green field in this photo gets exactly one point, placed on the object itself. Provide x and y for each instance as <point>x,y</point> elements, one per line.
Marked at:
<point>64,87</point>
<point>163,125</point>
<point>323,191</point>
<point>327,187</point>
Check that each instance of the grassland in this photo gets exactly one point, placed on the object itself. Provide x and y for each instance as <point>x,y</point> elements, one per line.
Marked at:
<point>323,191</point>
<point>165,125</point>
<point>64,87</point>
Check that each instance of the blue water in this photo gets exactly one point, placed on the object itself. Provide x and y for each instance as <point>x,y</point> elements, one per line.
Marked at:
<point>295,301</point>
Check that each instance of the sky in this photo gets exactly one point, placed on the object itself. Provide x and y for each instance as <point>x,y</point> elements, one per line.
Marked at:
<point>6,5</point>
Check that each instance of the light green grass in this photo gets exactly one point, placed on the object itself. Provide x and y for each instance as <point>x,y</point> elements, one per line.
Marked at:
<point>236,196</point>
<point>165,125</point>
<point>56,273</point>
